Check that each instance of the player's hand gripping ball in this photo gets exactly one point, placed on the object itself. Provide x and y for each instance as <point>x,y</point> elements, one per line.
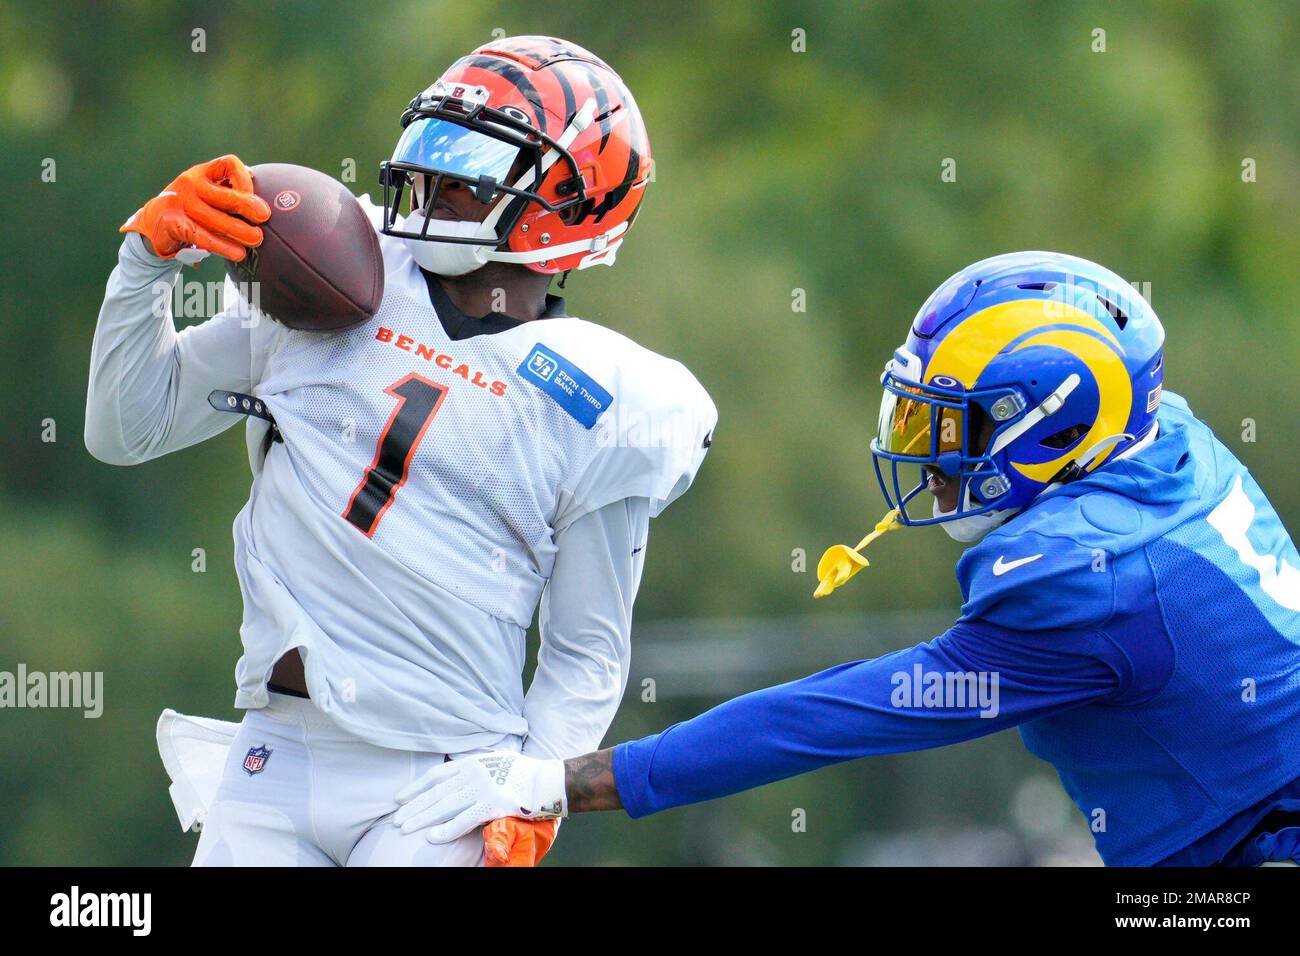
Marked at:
<point>202,208</point>
<point>318,267</point>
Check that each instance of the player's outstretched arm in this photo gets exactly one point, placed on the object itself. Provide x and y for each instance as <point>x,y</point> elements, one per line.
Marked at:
<point>148,383</point>
<point>884,705</point>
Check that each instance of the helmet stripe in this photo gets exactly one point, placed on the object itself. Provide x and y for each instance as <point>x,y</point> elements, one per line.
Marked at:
<point>602,101</point>
<point>570,103</point>
<point>515,76</point>
<point>969,347</point>
<point>615,195</point>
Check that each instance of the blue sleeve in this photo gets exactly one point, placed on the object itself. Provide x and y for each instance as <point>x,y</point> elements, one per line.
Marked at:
<point>973,680</point>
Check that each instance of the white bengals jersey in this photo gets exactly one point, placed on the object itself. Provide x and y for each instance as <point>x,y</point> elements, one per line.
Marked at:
<point>402,532</point>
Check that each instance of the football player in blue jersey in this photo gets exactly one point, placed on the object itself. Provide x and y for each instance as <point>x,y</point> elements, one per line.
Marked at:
<point>1131,598</point>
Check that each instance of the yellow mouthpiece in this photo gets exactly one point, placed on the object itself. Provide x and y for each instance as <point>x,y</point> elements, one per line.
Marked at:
<point>840,562</point>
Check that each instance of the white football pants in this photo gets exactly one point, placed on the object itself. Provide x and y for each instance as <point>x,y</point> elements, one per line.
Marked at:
<point>298,790</point>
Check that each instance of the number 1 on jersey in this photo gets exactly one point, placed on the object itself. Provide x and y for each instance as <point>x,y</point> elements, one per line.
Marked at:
<point>418,400</point>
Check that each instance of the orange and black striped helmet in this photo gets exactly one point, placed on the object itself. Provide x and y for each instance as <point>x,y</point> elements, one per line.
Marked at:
<point>541,129</point>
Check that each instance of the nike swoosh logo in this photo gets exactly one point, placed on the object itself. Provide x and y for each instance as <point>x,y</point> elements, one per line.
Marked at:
<point>1001,567</point>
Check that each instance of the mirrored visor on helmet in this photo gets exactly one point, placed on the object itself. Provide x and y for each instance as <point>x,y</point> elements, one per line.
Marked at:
<point>908,421</point>
<point>448,147</point>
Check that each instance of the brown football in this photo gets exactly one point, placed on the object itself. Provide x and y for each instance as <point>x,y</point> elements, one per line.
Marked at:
<point>319,267</point>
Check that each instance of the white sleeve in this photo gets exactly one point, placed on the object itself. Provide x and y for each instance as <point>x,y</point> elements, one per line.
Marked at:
<point>586,630</point>
<point>149,384</point>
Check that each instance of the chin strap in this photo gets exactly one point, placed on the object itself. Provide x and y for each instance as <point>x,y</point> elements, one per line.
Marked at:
<point>606,241</point>
<point>1079,467</point>
<point>840,562</point>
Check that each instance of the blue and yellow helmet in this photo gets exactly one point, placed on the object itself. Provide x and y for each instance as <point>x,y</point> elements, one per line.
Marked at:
<point>1059,357</point>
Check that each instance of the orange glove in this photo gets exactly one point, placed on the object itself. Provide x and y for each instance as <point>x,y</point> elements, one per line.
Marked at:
<point>192,211</point>
<point>515,841</point>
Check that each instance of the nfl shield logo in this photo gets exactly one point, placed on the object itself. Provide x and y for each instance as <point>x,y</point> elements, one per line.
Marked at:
<point>255,760</point>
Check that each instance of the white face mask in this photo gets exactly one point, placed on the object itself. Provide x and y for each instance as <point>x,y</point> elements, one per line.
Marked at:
<point>446,258</point>
<point>971,528</point>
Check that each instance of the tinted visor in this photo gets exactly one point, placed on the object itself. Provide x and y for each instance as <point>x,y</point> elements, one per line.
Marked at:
<point>446,147</point>
<point>909,422</point>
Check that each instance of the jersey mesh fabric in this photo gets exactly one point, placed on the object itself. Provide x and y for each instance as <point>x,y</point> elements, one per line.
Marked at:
<point>473,514</point>
<point>1267,680</point>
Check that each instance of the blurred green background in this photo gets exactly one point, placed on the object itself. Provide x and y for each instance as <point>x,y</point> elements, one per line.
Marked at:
<point>776,171</point>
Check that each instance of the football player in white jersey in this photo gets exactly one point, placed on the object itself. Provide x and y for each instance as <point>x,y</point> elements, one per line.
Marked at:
<point>424,483</point>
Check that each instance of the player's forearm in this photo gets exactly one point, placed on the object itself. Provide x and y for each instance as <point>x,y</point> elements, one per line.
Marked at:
<point>589,782</point>
<point>586,630</point>
<point>571,725</point>
<point>149,384</point>
<point>964,684</point>
<point>131,355</point>
<point>574,695</point>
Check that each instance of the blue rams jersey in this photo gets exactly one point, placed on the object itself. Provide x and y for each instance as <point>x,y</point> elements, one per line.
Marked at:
<point>1175,557</point>
<point>1141,626</point>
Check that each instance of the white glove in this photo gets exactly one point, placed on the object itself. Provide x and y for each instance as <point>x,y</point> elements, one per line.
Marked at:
<point>459,795</point>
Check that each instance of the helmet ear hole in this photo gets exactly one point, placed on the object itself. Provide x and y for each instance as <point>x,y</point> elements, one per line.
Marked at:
<point>1065,437</point>
<point>576,213</point>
